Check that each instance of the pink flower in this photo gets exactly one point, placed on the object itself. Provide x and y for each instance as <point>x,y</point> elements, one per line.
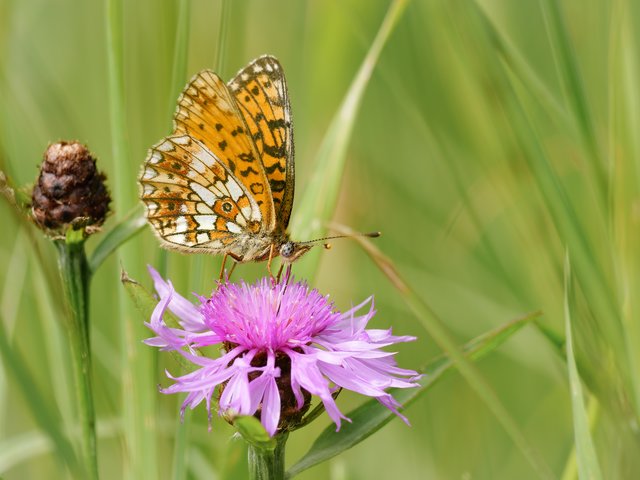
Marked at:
<point>281,344</point>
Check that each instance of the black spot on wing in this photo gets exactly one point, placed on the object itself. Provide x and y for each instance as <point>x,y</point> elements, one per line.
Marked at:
<point>277,185</point>
<point>246,172</point>
<point>274,167</point>
<point>277,151</point>
<point>257,189</point>
<point>278,123</point>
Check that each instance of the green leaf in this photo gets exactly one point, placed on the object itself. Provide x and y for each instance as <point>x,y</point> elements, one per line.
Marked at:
<point>142,299</point>
<point>588,466</point>
<point>254,433</point>
<point>123,231</point>
<point>371,416</point>
<point>145,303</point>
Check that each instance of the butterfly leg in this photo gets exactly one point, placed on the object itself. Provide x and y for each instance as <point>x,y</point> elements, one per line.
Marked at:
<point>271,252</point>
<point>224,261</point>
<point>236,260</point>
<point>280,272</point>
<point>287,274</point>
<point>233,267</point>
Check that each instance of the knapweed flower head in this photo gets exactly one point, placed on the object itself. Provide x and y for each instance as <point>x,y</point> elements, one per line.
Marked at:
<point>69,189</point>
<point>281,344</point>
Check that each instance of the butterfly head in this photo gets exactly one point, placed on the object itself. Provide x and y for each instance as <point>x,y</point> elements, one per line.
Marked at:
<point>291,251</point>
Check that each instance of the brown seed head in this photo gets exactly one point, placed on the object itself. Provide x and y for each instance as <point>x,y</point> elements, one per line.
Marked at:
<point>69,188</point>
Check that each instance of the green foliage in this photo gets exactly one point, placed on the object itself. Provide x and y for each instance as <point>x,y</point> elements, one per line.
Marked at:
<point>254,433</point>
<point>372,416</point>
<point>587,460</point>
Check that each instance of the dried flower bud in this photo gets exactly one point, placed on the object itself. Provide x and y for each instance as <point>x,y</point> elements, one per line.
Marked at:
<point>69,189</point>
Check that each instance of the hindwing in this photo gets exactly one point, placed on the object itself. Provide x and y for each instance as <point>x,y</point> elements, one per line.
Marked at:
<point>193,199</point>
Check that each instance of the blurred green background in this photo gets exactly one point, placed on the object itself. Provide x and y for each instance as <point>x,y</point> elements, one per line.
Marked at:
<point>494,138</point>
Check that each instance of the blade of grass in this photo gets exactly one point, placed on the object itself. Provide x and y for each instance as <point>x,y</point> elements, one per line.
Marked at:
<point>145,303</point>
<point>438,331</point>
<point>319,201</point>
<point>588,466</point>
<point>567,65</point>
<point>11,293</point>
<point>570,471</point>
<point>558,201</point>
<point>591,265</point>
<point>126,229</point>
<point>180,50</point>
<point>58,359</point>
<point>223,35</point>
<point>19,202</point>
<point>200,467</point>
<point>591,270</point>
<point>178,74</point>
<point>624,154</point>
<point>24,447</point>
<point>41,409</point>
<point>436,146</point>
<point>527,75</point>
<point>235,464</point>
<point>183,422</point>
<point>138,392</point>
<point>372,416</point>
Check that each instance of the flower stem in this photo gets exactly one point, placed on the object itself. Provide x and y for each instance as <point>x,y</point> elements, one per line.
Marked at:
<point>267,464</point>
<point>75,273</point>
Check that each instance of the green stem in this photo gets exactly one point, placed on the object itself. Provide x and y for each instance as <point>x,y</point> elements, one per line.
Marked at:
<point>76,276</point>
<point>265,464</point>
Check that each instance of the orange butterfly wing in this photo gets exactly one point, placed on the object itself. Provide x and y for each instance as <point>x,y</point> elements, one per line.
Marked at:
<point>261,93</point>
<point>208,112</point>
<point>223,181</point>
<point>193,201</point>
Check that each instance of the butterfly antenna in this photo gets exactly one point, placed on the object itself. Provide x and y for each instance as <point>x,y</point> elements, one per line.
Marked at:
<point>328,245</point>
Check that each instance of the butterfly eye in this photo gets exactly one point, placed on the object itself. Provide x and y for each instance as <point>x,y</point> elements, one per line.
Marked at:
<point>286,250</point>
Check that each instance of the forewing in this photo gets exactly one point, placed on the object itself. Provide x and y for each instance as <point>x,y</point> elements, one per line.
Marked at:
<point>193,200</point>
<point>261,92</point>
<point>208,112</point>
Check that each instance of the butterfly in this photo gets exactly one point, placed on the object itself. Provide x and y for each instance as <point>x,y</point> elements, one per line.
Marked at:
<point>223,181</point>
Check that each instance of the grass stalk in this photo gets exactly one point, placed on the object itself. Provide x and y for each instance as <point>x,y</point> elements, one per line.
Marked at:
<point>223,36</point>
<point>75,273</point>
<point>138,393</point>
<point>39,405</point>
<point>624,152</point>
<point>586,458</point>
<point>573,86</point>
